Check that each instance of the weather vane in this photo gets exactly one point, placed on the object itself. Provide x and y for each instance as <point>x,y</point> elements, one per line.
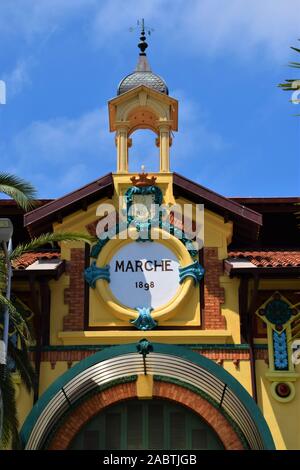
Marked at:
<point>140,24</point>
<point>144,30</point>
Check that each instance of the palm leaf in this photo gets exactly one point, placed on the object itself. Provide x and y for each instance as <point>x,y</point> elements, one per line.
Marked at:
<point>10,416</point>
<point>22,364</point>
<point>295,49</point>
<point>49,238</point>
<point>15,317</point>
<point>19,190</point>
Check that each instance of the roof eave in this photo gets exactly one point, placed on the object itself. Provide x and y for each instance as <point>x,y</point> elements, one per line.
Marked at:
<point>66,202</point>
<point>216,199</point>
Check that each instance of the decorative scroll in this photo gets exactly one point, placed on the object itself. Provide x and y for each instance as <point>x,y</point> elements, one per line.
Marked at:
<point>144,321</point>
<point>93,273</point>
<point>194,270</point>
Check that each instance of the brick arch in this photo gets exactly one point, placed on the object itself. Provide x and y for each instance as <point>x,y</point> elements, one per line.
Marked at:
<point>127,391</point>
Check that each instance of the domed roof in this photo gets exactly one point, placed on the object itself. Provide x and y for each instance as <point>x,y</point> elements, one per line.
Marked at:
<point>146,78</point>
<point>143,74</point>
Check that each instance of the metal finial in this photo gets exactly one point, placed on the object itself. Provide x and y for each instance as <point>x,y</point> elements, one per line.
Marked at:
<point>144,31</point>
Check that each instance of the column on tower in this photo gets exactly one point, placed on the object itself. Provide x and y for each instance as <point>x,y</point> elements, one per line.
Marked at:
<point>122,143</point>
<point>164,146</point>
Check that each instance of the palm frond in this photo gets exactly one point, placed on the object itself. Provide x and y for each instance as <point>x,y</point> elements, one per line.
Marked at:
<point>18,189</point>
<point>295,49</point>
<point>291,85</point>
<point>10,415</point>
<point>15,317</point>
<point>22,364</point>
<point>49,238</point>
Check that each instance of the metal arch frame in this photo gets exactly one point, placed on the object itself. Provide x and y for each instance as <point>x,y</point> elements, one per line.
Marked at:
<point>167,360</point>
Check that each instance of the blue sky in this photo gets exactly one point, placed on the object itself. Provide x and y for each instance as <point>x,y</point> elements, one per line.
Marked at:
<point>222,59</point>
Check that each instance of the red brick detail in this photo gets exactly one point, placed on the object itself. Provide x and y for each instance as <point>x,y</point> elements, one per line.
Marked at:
<point>91,407</point>
<point>74,295</point>
<point>84,412</point>
<point>63,356</point>
<point>215,355</point>
<point>261,354</point>
<point>225,354</point>
<point>203,408</point>
<point>213,293</point>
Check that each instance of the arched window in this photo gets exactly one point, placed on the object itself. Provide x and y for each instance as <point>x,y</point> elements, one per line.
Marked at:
<point>146,424</point>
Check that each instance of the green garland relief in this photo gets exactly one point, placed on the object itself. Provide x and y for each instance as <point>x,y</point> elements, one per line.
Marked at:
<point>144,227</point>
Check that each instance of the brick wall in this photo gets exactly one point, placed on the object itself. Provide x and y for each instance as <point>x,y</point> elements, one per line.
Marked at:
<point>214,354</point>
<point>84,412</point>
<point>213,293</point>
<point>74,294</point>
<point>201,407</point>
<point>173,392</point>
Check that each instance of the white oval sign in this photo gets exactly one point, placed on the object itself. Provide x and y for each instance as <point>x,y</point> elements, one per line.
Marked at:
<point>144,274</point>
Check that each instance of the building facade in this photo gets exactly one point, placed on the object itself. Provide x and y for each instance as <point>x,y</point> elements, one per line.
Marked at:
<point>146,340</point>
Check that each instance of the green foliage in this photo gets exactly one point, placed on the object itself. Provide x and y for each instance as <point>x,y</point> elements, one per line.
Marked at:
<point>19,190</point>
<point>10,433</point>
<point>49,238</point>
<point>292,84</point>
<point>20,315</point>
<point>16,318</point>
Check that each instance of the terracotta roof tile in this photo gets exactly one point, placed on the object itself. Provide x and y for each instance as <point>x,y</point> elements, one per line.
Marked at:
<point>28,258</point>
<point>269,258</point>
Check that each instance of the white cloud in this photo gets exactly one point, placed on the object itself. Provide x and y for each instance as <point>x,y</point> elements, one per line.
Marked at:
<point>18,77</point>
<point>213,27</point>
<point>62,154</point>
<point>30,18</point>
<point>195,138</point>
<point>198,27</point>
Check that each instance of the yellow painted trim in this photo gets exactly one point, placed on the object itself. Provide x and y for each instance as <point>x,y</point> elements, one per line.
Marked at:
<point>282,376</point>
<point>144,387</point>
<point>162,336</point>
<point>166,311</point>
<point>260,341</point>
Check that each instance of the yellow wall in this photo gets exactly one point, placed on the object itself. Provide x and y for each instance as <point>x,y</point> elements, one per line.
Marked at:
<point>217,234</point>
<point>283,418</point>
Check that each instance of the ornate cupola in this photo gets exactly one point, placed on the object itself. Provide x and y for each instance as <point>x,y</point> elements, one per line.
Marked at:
<point>142,102</point>
<point>143,74</point>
